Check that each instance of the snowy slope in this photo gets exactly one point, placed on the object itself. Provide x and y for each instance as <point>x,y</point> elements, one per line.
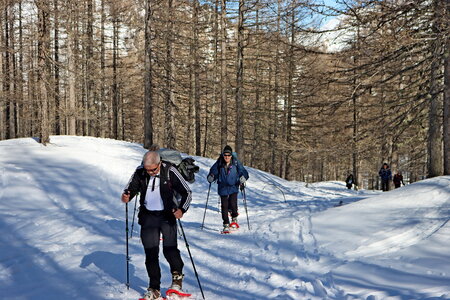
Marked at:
<point>63,231</point>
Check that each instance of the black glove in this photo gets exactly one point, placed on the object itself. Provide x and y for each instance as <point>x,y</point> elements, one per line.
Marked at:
<point>242,187</point>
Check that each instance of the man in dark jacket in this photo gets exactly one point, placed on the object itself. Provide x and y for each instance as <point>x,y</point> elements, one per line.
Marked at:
<point>230,174</point>
<point>398,180</point>
<point>156,181</point>
<point>349,181</point>
<point>386,176</point>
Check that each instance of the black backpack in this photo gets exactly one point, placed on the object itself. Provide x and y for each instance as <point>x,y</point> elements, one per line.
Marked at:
<point>188,168</point>
<point>185,166</point>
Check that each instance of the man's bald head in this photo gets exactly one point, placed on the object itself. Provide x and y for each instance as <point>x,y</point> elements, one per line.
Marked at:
<point>151,158</point>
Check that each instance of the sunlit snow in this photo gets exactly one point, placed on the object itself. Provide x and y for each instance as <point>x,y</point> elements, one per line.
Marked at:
<point>63,232</point>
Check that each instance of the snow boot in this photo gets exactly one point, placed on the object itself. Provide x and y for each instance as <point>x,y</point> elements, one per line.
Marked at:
<point>234,224</point>
<point>226,228</point>
<point>175,291</point>
<point>152,294</point>
<point>177,281</point>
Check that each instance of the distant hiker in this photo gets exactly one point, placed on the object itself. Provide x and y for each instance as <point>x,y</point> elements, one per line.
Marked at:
<point>157,181</point>
<point>398,180</point>
<point>386,176</point>
<point>230,175</point>
<point>349,181</point>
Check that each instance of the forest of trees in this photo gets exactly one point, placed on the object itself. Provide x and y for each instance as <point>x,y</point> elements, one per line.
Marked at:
<point>293,97</point>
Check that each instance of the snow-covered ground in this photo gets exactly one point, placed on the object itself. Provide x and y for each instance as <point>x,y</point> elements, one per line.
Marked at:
<point>63,232</point>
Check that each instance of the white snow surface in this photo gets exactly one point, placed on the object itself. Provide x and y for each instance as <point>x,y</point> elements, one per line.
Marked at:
<point>63,232</point>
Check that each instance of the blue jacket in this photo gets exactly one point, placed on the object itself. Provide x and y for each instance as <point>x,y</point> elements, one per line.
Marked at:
<point>228,179</point>
<point>385,174</point>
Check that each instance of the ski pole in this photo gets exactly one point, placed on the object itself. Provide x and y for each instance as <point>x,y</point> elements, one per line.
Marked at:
<point>245,205</point>
<point>134,214</point>
<point>206,206</point>
<point>190,255</point>
<point>127,256</point>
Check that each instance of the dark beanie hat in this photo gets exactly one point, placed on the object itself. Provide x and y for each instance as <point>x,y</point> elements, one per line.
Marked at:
<point>227,149</point>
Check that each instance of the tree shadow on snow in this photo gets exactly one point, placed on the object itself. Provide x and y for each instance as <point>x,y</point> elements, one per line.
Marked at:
<point>113,265</point>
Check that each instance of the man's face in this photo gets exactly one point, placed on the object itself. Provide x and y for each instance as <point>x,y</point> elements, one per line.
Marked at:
<point>227,157</point>
<point>153,169</point>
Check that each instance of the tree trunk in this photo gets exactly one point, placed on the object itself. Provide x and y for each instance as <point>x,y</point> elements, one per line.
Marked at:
<point>148,94</point>
<point>115,85</point>
<point>274,124</point>
<point>189,137</point>
<point>355,142</point>
<point>103,120</point>
<point>20,116</point>
<point>12,114</point>
<point>257,117</point>
<point>435,157</point>
<point>169,91</point>
<point>90,88</point>
<point>2,71</point>
<point>290,98</point>
<point>71,127</point>
<point>223,76</point>
<point>239,147</point>
<point>355,147</point>
<point>196,81</point>
<point>5,108</point>
<point>447,91</point>
<point>211,110</point>
<point>56,68</point>
<point>43,74</point>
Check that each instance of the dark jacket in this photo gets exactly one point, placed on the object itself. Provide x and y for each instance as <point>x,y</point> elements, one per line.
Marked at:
<point>398,179</point>
<point>171,181</point>
<point>228,178</point>
<point>385,174</point>
<point>349,180</point>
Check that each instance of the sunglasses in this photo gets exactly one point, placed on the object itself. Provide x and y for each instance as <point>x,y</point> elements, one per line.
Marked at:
<point>153,170</point>
<point>227,155</point>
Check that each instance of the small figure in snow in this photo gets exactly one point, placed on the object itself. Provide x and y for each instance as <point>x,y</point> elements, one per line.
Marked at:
<point>230,175</point>
<point>156,181</point>
<point>339,204</point>
<point>386,176</point>
<point>398,180</point>
<point>349,181</point>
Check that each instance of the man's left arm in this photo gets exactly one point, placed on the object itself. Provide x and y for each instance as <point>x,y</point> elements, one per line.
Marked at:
<point>242,170</point>
<point>180,185</point>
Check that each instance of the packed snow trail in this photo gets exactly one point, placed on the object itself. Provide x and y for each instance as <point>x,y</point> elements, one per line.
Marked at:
<point>63,234</point>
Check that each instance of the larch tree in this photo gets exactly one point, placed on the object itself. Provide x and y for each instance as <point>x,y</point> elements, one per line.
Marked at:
<point>43,68</point>
<point>148,83</point>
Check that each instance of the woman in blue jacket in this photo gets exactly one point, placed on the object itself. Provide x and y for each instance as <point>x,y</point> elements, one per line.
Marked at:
<point>230,174</point>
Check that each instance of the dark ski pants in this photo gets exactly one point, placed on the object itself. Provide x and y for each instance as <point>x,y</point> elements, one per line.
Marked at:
<point>150,237</point>
<point>229,202</point>
<point>385,185</point>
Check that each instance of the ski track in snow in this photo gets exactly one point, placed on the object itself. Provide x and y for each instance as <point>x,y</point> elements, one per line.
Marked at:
<point>398,238</point>
<point>64,222</point>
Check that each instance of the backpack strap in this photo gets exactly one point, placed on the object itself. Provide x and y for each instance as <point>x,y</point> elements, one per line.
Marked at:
<point>165,167</point>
